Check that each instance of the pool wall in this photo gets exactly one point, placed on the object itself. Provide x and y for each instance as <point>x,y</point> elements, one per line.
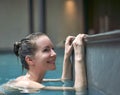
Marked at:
<point>103,63</point>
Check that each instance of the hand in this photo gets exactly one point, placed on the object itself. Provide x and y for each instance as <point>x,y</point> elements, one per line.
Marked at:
<point>79,41</point>
<point>68,45</point>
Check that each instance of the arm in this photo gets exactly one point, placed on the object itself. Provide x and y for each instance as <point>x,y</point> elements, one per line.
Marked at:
<point>67,66</point>
<point>80,73</point>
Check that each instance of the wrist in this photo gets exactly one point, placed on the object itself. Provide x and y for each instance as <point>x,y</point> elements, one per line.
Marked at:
<point>66,56</point>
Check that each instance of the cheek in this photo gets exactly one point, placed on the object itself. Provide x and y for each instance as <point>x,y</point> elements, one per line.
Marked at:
<point>40,57</point>
<point>42,60</point>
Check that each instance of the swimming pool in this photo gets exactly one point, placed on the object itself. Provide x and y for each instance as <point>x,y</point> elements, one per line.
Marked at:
<point>10,68</point>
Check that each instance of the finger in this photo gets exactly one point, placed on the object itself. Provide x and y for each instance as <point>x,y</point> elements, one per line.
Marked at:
<point>69,39</point>
<point>80,36</point>
<point>79,39</point>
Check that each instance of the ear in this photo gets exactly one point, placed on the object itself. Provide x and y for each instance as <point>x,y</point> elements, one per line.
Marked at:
<point>29,60</point>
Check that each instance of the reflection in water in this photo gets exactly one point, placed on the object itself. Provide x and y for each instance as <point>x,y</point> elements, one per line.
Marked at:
<point>57,88</point>
<point>72,92</point>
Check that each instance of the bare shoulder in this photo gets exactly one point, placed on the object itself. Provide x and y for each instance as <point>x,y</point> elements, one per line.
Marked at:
<point>21,82</point>
<point>28,84</point>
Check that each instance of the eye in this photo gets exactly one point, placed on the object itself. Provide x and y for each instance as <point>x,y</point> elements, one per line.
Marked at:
<point>46,50</point>
<point>53,48</point>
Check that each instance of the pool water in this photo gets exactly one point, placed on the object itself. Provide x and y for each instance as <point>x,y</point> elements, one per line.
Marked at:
<point>40,92</point>
<point>10,68</point>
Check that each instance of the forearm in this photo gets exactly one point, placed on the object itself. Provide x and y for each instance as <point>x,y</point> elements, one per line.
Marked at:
<point>80,75</point>
<point>67,66</point>
<point>80,72</point>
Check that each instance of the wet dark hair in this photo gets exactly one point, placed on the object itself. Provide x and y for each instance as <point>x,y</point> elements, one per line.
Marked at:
<point>27,46</point>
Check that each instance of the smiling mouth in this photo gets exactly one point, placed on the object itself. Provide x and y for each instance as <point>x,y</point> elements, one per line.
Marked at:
<point>51,62</point>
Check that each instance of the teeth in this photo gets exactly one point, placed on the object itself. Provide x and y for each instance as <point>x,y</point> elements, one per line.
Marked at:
<point>51,62</point>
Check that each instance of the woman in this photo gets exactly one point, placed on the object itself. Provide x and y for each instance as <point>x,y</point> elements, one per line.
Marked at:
<point>37,55</point>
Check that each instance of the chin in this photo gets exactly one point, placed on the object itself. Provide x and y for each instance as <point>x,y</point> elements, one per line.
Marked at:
<point>53,68</point>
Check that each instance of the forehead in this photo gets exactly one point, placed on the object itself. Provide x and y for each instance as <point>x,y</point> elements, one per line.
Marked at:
<point>43,41</point>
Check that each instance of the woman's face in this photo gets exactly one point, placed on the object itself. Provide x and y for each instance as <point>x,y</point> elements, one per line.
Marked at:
<point>45,55</point>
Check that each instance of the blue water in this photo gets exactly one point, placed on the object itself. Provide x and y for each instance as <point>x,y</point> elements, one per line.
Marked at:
<point>10,68</point>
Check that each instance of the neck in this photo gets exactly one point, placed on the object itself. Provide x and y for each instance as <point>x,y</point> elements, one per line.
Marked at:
<point>35,77</point>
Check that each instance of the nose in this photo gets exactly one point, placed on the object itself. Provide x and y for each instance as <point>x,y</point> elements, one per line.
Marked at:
<point>53,53</point>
